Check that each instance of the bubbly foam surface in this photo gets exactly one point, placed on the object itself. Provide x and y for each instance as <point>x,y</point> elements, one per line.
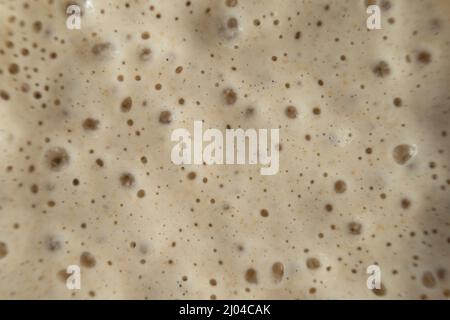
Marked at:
<point>86,176</point>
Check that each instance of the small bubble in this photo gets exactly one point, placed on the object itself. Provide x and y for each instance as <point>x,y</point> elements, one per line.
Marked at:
<point>99,162</point>
<point>126,104</point>
<point>63,275</point>
<point>231,3</point>
<point>403,153</point>
<point>406,204</point>
<point>355,228</point>
<point>145,54</point>
<point>381,69</point>
<point>191,175</point>
<point>340,186</point>
<point>424,57</point>
<point>37,26</point>
<point>165,117</point>
<point>87,260</point>
<point>230,96</point>
<point>127,180</point>
<point>291,112</point>
<point>213,282</point>
<point>428,280</point>
<point>4,95</point>
<point>57,158</point>
<point>380,292</point>
<point>179,69</point>
<point>3,250</point>
<point>34,188</point>
<point>102,49</point>
<point>398,102</point>
<point>90,124</point>
<point>52,243</point>
<point>264,213</point>
<point>141,193</point>
<point>232,23</point>
<point>313,263</point>
<point>278,271</point>
<point>251,276</point>
<point>13,68</point>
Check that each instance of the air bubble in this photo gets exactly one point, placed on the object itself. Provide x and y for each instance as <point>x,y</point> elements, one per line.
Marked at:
<point>52,243</point>
<point>127,180</point>
<point>165,117</point>
<point>313,263</point>
<point>87,260</point>
<point>3,250</point>
<point>355,228</point>
<point>126,104</point>
<point>103,49</point>
<point>381,291</point>
<point>340,186</point>
<point>230,96</point>
<point>90,124</point>
<point>231,3</point>
<point>264,213</point>
<point>291,112</point>
<point>251,276</point>
<point>145,54</point>
<point>428,280</point>
<point>57,158</point>
<point>278,271</point>
<point>381,69</point>
<point>403,153</point>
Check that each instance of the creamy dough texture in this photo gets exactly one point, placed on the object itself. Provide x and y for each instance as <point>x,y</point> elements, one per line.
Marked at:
<point>86,176</point>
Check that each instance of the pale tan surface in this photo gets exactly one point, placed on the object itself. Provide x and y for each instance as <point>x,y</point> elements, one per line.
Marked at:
<point>143,247</point>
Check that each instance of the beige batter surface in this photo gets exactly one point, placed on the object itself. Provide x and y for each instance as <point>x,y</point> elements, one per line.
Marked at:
<point>86,176</point>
